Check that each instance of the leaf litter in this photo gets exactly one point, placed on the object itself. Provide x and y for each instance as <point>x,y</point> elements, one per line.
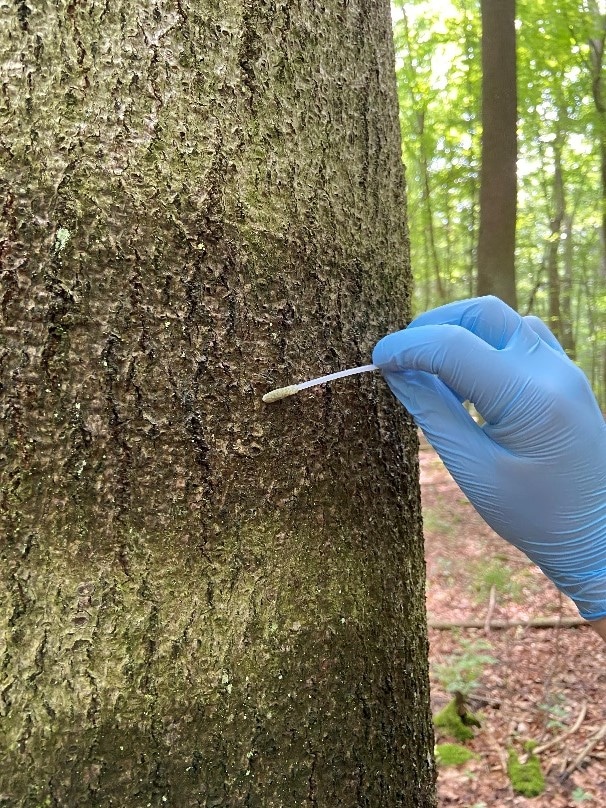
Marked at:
<point>546,685</point>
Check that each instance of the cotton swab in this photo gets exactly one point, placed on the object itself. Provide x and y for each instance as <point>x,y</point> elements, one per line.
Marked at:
<point>291,389</point>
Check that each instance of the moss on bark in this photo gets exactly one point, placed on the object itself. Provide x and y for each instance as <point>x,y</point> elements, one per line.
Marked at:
<point>203,600</point>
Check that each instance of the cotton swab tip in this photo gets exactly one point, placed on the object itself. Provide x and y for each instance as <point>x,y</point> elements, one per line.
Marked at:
<point>280,393</point>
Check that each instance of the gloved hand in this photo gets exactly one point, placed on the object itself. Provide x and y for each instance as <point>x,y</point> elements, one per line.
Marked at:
<point>536,470</point>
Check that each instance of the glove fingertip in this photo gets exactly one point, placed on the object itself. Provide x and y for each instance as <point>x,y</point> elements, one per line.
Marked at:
<point>383,352</point>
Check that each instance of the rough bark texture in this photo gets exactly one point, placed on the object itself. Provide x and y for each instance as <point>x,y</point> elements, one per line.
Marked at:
<point>204,600</point>
<point>498,182</point>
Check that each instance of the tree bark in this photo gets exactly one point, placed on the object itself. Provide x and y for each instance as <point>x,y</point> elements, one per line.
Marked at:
<point>204,600</point>
<point>498,177</point>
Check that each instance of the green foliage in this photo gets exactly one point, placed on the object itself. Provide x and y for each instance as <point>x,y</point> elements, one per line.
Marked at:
<point>578,795</point>
<point>439,83</point>
<point>555,710</point>
<point>435,520</point>
<point>494,572</point>
<point>561,136</point>
<point>449,721</point>
<point>462,670</point>
<point>526,778</point>
<point>452,754</point>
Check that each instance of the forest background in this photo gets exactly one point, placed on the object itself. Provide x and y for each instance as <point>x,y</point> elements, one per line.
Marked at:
<point>560,254</point>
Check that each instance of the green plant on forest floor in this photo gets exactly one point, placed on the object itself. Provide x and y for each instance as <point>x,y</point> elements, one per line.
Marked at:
<point>494,572</point>
<point>461,671</point>
<point>436,520</point>
<point>555,711</point>
<point>578,795</point>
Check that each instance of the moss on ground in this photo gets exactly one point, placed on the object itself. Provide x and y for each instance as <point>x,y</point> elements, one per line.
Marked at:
<point>526,778</point>
<point>449,721</point>
<point>452,754</point>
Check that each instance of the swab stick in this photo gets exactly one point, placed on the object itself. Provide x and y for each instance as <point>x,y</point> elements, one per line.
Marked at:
<point>291,389</point>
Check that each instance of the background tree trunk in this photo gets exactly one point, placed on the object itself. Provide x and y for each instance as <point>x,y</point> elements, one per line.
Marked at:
<point>498,178</point>
<point>558,213</point>
<point>205,601</point>
<point>596,64</point>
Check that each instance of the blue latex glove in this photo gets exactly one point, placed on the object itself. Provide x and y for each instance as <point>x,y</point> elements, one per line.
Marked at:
<point>536,470</point>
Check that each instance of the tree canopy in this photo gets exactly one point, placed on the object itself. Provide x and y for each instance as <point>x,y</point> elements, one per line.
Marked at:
<point>560,244</point>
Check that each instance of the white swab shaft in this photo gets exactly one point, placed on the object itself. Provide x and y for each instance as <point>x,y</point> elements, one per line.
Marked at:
<point>339,375</point>
<point>283,392</point>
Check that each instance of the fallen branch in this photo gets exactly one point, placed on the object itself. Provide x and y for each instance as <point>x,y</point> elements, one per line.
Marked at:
<point>536,622</point>
<point>543,747</point>
<point>492,602</point>
<point>593,741</point>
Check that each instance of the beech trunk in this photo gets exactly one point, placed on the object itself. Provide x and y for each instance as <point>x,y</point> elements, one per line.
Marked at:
<point>205,600</point>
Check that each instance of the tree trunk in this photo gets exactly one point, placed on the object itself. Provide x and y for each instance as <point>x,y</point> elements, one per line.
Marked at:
<point>568,331</point>
<point>204,600</point>
<point>558,206</point>
<point>498,181</point>
<point>419,102</point>
<point>596,62</point>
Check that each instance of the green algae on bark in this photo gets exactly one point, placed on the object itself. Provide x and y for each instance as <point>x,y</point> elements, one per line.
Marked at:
<point>203,600</point>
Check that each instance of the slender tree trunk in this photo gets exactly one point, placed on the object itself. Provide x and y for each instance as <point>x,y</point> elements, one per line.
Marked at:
<point>568,331</point>
<point>472,73</point>
<point>431,231</point>
<point>498,183</point>
<point>596,45</point>
<point>554,316</point>
<point>420,106</point>
<point>204,600</point>
<point>596,63</point>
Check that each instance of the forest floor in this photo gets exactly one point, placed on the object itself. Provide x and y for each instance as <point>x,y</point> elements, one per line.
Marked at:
<point>524,683</point>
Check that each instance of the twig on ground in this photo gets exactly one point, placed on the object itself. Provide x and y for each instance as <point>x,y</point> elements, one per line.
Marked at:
<point>492,600</point>
<point>543,747</point>
<point>499,752</point>
<point>591,743</point>
<point>536,622</point>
